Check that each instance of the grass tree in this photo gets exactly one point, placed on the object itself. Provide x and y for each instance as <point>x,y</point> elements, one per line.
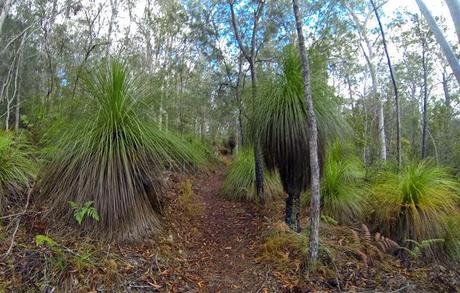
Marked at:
<point>283,129</point>
<point>112,155</point>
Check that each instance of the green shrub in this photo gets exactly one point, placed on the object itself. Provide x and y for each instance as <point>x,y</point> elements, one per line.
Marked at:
<point>16,168</point>
<point>343,189</point>
<point>240,181</point>
<point>413,204</point>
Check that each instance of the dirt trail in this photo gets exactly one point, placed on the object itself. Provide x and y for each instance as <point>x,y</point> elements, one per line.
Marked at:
<point>225,242</point>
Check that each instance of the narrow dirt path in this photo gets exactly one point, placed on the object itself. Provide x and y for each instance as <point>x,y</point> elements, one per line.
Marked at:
<point>226,238</point>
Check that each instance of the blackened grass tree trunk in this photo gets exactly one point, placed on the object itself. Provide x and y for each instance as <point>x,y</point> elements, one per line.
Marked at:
<point>395,88</point>
<point>313,142</point>
<point>250,55</point>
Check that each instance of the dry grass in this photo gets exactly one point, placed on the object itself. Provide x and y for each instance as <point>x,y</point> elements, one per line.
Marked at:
<point>188,199</point>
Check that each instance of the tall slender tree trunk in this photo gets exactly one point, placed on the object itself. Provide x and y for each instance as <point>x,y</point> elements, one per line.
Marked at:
<point>250,55</point>
<point>257,148</point>
<point>379,100</point>
<point>17,116</point>
<point>445,88</point>
<point>313,142</point>
<point>238,99</point>
<point>425,100</point>
<point>4,13</point>
<point>370,56</point>
<point>114,7</point>
<point>395,88</point>
<point>445,47</point>
<point>454,9</point>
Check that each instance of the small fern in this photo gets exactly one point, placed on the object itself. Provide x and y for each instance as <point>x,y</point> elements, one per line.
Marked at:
<point>81,212</point>
<point>420,247</point>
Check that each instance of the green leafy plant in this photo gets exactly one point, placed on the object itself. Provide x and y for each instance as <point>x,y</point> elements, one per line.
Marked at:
<point>413,204</point>
<point>16,167</point>
<point>422,246</point>
<point>240,181</point>
<point>282,128</point>
<point>41,239</point>
<point>343,188</point>
<point>81,212</point>
<point>109,152</point>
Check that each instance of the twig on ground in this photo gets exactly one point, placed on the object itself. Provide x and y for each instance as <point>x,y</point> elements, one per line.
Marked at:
<point>18,221</point>
<point>263,283</point>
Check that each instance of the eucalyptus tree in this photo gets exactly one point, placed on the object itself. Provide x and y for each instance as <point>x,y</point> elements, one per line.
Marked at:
<point>441,39</point>
<point>4,13</point>
<point>250,54</point>
<point>312,140</point>
<point>454,9</point>
<point>366,44</point>
<point>395,88</point>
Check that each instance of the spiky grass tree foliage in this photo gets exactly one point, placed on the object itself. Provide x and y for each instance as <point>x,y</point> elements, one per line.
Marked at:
<point>113,156</point>
<point>413,204</point>
<point>282,126</point>
<point>240,181</point>
<point>343,190</point>
<point>16,169</point>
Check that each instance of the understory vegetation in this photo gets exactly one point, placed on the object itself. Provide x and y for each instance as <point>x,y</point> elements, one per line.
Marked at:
<point>229,146</point>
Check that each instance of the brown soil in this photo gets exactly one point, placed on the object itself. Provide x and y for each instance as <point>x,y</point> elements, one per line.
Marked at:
<point>210,244</point>
<point>224,242</point>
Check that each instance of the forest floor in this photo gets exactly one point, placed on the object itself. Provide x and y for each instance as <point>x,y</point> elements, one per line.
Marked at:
<point>210,244</point>
<point>224,242</point>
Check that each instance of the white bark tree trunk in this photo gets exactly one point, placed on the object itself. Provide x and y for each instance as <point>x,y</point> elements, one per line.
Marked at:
<point>440,38</point>
<point>454,9</point>
<point>4,13</point>
<point>313,142</point>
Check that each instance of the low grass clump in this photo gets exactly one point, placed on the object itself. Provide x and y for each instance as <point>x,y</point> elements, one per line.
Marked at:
<point>285,247</point>
<point>414,203</point>
<point>17,169</point>
<point>452,237</point>
<point>343,190</point>
<point>240,181</point>
<point>188,199</point>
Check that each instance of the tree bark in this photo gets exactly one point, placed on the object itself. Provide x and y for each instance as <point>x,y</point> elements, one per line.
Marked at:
<point>425,99</point>
<point>292,212</point>
<point>17,117</point>
<point>454,9</point>
<point>393,80</point>
<point>445,47</point>
<point>238,99</point>
<point>445,88</point>
<point>313,142</point>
